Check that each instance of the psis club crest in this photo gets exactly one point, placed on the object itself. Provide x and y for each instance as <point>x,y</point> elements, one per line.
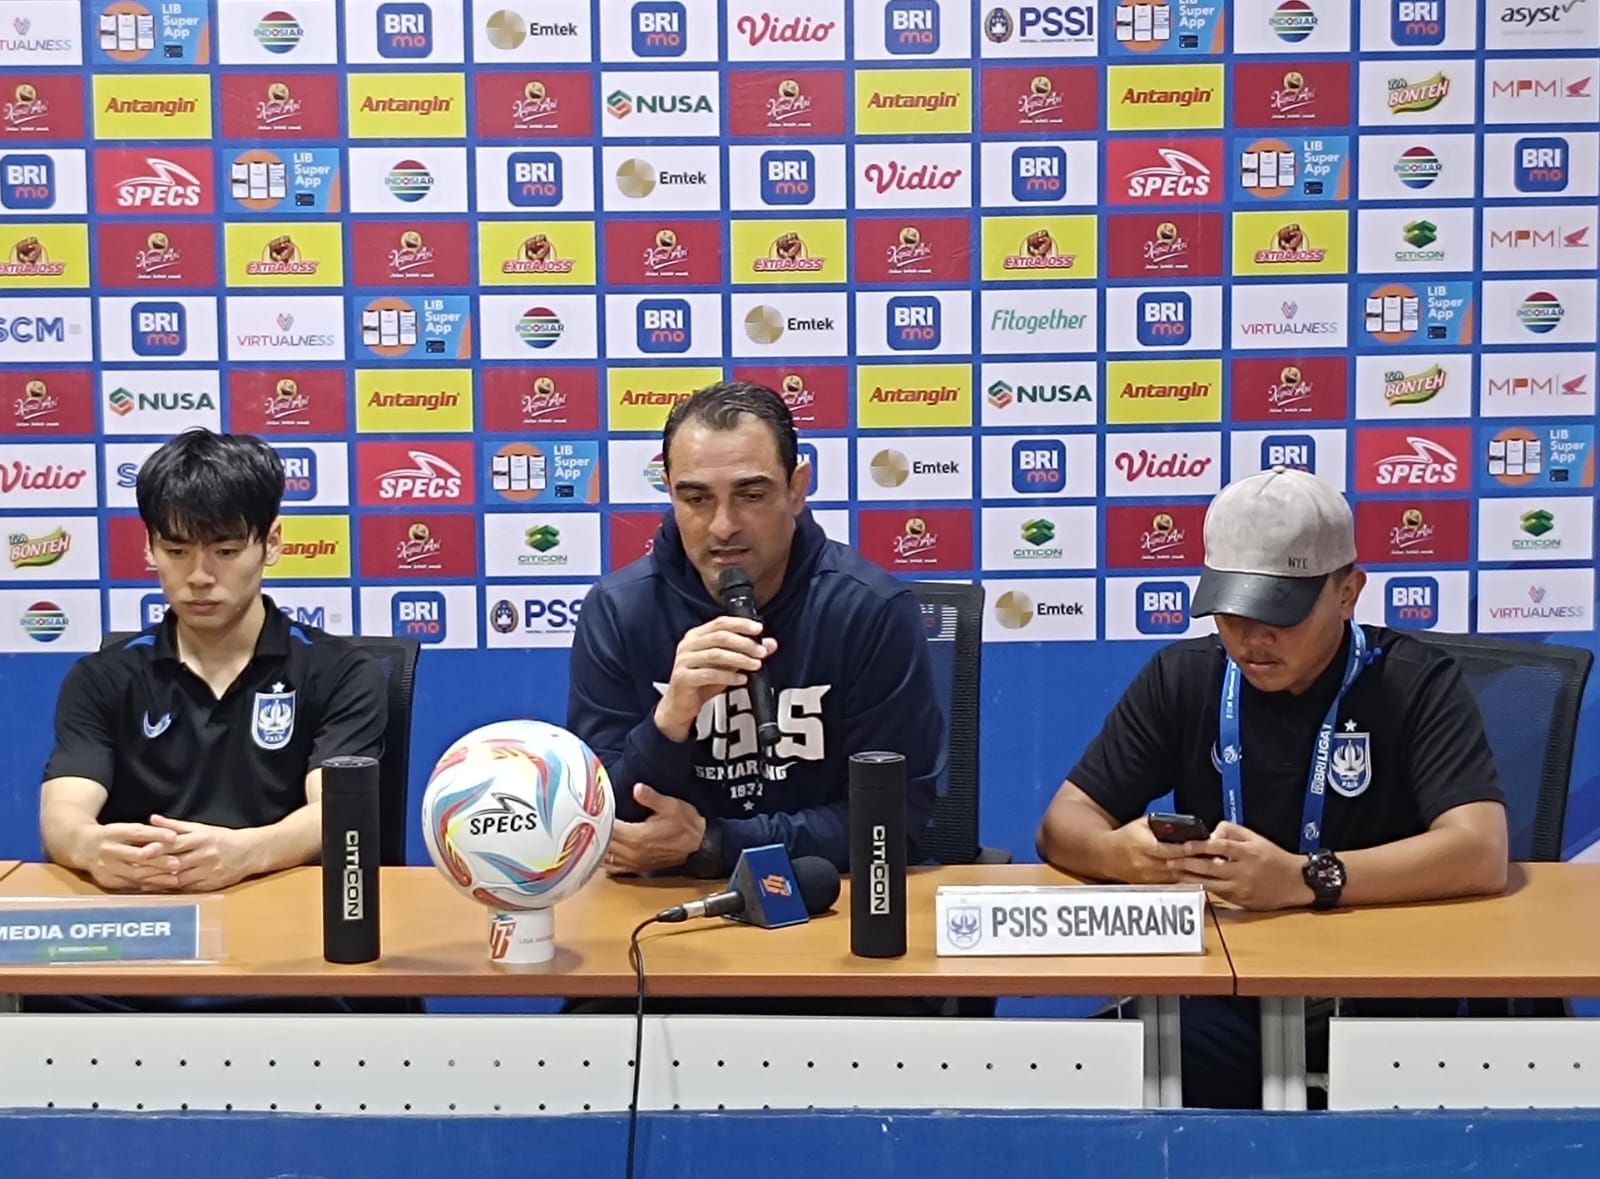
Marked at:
<point>1350,762</point>
<point>272,721</point>
<point>964,924</point>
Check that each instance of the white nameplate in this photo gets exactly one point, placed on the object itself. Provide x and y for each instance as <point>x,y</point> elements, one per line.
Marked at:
<point>1000,920</point>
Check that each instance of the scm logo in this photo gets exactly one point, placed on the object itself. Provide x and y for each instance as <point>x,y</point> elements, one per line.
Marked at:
<point>33,329</point>
<point>420,615</point>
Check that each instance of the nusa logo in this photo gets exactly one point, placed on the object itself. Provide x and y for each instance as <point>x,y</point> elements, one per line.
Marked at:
<point>1411,603</point>
<point>1038,174</point>
<point>1296,451</point>
<point>1416,22</point>
<point>660,29</point>
<point>1038,466</point>
<point>159,329</point>
<point>27,182</point>
<point>1542,163</point>
<point>1162,607</point>
<point>405,31</point>
<point>914,323</point>
<point>299,473</point>
<point>788,178</point>
<point>663,325</point>
<point>533,179</point>
<point>418,614</point>
<point>911,26</point>
<point>1166,318</point>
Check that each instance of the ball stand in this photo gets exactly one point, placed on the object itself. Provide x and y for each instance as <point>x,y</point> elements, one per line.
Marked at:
<point>522,940</point>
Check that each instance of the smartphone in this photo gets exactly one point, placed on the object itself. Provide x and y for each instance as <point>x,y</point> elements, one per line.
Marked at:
<point>1169,828</point>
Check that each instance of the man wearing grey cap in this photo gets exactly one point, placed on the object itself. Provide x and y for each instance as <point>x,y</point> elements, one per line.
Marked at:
<point>1334,763</point>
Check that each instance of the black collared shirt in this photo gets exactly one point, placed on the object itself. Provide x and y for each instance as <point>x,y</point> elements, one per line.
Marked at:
<point>152,732</point>
<point>1410,714</point>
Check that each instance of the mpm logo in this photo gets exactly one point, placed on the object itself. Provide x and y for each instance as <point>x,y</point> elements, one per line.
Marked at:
<point>1416,22</point>
<point>27,182</point>
<point>911,26</point>
<point>159,329</point>
<point>1542,163</point>
<point>914,323</point>
<point>299,473</point>
<point>659,29</point>
<point>1165,318</point>
<point>533,179</point>
<point>788,178</point>
<point>1162,607</point>
<point>663,325</point>
<point>1411,603</point>
<point>1298,452</point>
<point>418,615</point>
<point>1038,174</point>
<point>405,31</point>
<point>1038,466</point>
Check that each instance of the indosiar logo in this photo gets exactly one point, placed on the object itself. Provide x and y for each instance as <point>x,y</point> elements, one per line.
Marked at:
<point>533,179</point>
<point>1411,603</point>
<point>1162,607</point>
<point>420,615</point>
<point>663,325</point>
<point>914,323</point>
<point>788,177</point>
<point>660,29</point>
<point>1038,466</point>
<point>159,329</point>
<point>1295,451</point>
<point>1166,318</point>
<point>911,27</point>
<point>1038,173</point>
<point>405,31</point>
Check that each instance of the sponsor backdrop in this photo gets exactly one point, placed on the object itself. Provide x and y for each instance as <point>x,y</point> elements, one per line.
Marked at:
<point>1036,280</point>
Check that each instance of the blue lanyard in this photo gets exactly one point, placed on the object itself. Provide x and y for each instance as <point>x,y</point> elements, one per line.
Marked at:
<point>1230,748</point>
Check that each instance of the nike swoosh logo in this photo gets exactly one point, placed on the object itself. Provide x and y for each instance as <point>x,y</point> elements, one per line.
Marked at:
<point>153,731</point>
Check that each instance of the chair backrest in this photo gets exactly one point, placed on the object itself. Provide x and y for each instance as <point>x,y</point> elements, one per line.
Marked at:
<point>1530,695</point>
<point>398,658</point>
<point>953,617</point>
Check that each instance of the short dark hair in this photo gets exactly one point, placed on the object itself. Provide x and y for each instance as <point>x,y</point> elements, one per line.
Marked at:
<point>202,487</point>
<point>720,406</point>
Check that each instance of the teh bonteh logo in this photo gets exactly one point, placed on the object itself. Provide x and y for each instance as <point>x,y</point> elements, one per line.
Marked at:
<point>159,329</point>
<point>1166,318</point>
<point>1038,466</point>
<point>788,177</point>
<point>914,323</point>
<point>27,182</point>
<point>420,615</point>
<point>1161,607</point>
<point>1038,173</point>
<point>660,29</point>
<point>663,325</point>
<point>533,179</point>
<point>911,26</point>
<point>405,31</point>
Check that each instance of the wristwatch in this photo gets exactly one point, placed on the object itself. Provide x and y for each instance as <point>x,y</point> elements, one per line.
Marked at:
<point>1325,876</point>
<point>705,862</point>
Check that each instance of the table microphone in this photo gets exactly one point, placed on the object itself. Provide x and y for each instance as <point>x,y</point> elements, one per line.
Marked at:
<point>350,859</point>
<point>877,855</point>
<point>815,879</point>
<point>739,599</point>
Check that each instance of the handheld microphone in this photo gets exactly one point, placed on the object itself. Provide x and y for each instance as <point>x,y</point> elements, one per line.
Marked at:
<point>877,855</point>
<point>756,899</point>
<point>350,859</point>
<point>739,599</point>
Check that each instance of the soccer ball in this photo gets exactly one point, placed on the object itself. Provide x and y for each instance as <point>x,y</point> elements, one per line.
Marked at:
<point>517,814</point>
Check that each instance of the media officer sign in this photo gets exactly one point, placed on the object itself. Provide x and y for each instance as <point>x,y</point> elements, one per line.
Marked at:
<point>58,934</point>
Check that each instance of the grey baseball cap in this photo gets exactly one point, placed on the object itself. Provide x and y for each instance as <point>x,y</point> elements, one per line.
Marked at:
<point>1271,541</point>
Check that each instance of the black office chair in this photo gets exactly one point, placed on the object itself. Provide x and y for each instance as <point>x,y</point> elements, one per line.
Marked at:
<point>1530,695</point>
<point>953,615</point>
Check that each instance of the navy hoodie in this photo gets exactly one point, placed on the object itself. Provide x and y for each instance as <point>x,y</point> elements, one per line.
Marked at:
<point>851,673</point>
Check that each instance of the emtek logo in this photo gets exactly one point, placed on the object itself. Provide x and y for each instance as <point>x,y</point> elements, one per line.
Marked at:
<point>1411,603</point>
<point>27,182</point>
<point>299,473</point>
<point>1164,318</point>
<point>1038,466</point>
<point>405,31</point>
<point>159,329</point>
<point>660,29</point>
<point>533,179</point>
<point>1038,174</point>
<point>1416,22</point>
<point>418,614</point>
<point>911,26</point>
<point>1542,163</point>
<point>1296,451</point>
<point>663,325</point>
<point>914,323</point>
<point>788,178</point>
<point>1162,607</point>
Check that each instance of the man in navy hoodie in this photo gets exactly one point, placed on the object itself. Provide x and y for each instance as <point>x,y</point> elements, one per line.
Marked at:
<point>659,670</point>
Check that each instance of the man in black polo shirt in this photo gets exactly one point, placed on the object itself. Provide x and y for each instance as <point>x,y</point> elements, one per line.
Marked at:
<point>1334,763</point>
<point>186,759</point>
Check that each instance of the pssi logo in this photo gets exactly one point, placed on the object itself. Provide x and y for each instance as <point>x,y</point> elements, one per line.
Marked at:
<point>159,329</point>
<point>299,473</point>
<point>663,325</point>
<point>420,615</point>
<point>660,29</point>
<point>405,31</point>
<point>914,323</point>
<point>1038,466</point>
<point>1411,603</point>
<point>1038,174</point>
<point>533,179</point>
<point>911,26</point>
<point>1298,452</point>
<point>788,178</point>
<point>1162,607</point>
<point>1165,318</point>
<point>27,182</point>
<point>1542,163</point>
<point>1414,23</point>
